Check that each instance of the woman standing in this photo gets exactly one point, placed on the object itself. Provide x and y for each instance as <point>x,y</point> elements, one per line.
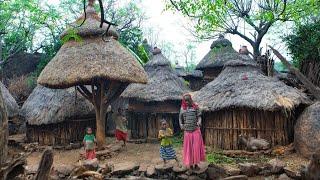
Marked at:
<point>190,122</point>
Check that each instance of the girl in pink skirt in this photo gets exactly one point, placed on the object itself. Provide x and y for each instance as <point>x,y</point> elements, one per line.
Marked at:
<point>190,122</point>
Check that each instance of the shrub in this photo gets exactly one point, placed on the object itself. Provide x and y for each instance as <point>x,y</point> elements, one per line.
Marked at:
<point>21,87</point>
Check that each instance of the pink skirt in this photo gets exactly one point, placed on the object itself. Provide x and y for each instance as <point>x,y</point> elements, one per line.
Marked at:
<point>193,148</point>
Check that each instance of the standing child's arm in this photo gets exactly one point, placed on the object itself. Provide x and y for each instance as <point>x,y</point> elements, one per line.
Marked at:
<point>161,135</point>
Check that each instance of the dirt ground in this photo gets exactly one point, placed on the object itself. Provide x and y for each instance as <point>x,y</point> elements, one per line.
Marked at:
<point>145,153</point>
<point>139,153</point>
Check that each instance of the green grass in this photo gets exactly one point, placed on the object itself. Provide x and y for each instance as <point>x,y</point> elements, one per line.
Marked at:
<point>177,140</point>
<point>216,157</point>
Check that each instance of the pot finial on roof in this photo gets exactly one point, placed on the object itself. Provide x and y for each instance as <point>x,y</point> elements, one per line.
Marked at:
<point>244,50</point>
<point>91,2</point>
<point>156,51</point>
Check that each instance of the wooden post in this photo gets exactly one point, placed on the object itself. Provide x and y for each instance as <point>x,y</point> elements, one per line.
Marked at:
<point>309,85</point>
<point>45,165</point>
<point>3,131</point>
<point>102,94</point>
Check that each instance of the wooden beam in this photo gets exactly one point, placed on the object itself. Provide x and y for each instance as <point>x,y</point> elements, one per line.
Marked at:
<point>309,85</point>
<point>45,165</point>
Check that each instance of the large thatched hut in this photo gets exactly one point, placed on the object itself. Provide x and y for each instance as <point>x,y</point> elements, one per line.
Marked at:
<point>92,55</point>
<point>57,116</point>
<point>307,131</point>
<point>221,51</point>
<point>241,100</point>
<point>12,109</point>
<point>159,98</point>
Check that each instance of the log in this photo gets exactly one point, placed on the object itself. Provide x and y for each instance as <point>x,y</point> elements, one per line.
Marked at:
<point>45,165</point>
<point>309,85</point>
<point>13,168</point>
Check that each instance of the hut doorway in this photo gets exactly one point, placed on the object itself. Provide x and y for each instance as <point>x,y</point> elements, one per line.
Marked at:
<point>144,125</point>
<point>222,128</point>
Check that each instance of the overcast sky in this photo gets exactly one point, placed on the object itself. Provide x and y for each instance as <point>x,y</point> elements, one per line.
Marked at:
<point>171,28</point>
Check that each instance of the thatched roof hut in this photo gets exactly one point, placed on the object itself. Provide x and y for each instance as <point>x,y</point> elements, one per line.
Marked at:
<point>11,105</point>
<point>159,98</point>
<point>307,131</point>
<point>95,57</point>
<point>221,51</point>
<point>242,100</point>
<point>77,62</point>
<point>57,116</point>
<point>163,83</point>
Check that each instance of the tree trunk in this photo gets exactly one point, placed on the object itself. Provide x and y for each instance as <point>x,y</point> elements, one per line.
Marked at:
<point>256,50</point>
<point>3,131</point>
<point>308,84</point>
<point>101,124</point>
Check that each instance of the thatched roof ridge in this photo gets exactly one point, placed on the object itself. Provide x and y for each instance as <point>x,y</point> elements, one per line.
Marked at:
<point>157,59</point>
<point>195,73</point>
<point>241,85</point>
<point>221,52</point>
<point>180,70</point>
<point>163,83</point>
<point>48,106</point>
<point>10,103</point>
<point>78,62</point>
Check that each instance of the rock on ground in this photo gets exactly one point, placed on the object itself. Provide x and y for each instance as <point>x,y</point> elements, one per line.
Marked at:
<point>249,169</point>
<point>216,172</point>
<point>307,131</point>
<point>124,168</point>
<point>151,171</point>
<point>284,177</point>
<point>239,177</point>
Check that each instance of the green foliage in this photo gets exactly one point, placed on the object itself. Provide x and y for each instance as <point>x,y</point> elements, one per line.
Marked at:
<point>22,22</point>
<point>71,35</point>
<point>219,158</point>
<point>304,43</point>
<point>177,140</point>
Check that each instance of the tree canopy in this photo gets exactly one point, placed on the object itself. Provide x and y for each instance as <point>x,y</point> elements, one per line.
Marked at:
<point>231,16</point>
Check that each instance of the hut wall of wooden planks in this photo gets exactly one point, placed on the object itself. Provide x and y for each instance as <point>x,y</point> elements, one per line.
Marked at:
<point>145,118</point>
<point>64,133</point>
<point>222,128</point>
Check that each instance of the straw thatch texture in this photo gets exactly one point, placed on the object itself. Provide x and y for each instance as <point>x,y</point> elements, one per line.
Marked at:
<point>221,51</point>
<point>230,89</point>
<point>78,62</point>
<point>307,131</point>
<point>49,106</point>
<point>180,70</point>
<point>163,83</point>
<point>11,105</point>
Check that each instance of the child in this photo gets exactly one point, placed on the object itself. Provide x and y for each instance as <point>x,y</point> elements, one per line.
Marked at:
<point>166,150</point>
<point>121,126</point>
<point>89,141</point>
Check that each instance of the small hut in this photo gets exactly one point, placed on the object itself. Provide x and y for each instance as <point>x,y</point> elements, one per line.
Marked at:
<point>195,79</point>
<point>180,70</point>
<point>221,51</point>
<point>241,100</point>
<point>12,109</point>
<point>57,116</point>
<point>159,98</point>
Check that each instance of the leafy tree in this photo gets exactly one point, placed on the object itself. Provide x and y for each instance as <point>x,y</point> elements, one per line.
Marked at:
<point>230,16</point>
<point>304,45</point>
<point>21,22</point>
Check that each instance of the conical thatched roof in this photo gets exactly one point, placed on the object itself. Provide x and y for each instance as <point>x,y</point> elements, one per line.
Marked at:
<point>10,103</point>
<point>307,131</point>
<point>180,70</point>
<point>242,84</point>
<point>47,106</point>
<point>78,62</point>
<point>221,51</point>
<point>163,84</point>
